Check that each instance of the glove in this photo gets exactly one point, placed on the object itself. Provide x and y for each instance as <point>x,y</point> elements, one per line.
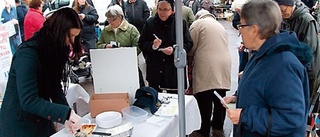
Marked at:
<point>74,123</point>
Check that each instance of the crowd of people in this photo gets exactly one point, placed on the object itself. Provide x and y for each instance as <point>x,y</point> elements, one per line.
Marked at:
<point>278,66</point>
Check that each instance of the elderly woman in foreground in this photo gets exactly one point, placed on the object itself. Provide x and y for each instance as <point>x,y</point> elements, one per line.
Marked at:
<point>273,93</point>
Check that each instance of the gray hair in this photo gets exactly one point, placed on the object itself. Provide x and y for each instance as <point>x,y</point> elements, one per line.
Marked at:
<point>203,13</point>
<point>114,11</point>
<point>265,14</point>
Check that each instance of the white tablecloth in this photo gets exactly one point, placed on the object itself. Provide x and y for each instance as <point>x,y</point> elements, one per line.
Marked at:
<point>169,129</point>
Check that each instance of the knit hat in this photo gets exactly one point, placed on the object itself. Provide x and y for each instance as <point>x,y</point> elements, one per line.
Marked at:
<point>171,2</point>
<point>286,2</point>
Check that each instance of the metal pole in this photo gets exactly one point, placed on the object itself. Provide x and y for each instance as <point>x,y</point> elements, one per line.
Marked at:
<point>180,63</point>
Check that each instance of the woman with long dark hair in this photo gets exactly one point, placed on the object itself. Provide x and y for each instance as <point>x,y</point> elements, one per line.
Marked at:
<point>34,97</point>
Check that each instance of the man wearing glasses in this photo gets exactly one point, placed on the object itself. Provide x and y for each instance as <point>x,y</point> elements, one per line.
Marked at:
<point>296,17</point>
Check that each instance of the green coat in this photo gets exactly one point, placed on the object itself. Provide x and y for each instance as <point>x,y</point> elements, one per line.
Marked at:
<point>187,15</point>
<point>26,110</point>
<point>127,35</point>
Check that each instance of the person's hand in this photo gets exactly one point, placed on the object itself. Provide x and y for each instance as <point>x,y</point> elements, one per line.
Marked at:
<point>108,46</point>
<point>241,47</point>
<point>14,21</point>
<point>234,115</point>
<point>69,127</point>
<point>74,123</point>
<point>230,99</point>
<point>167,50</point>
<point>82,16</point>
<point>240,74</point>
<point>157,43</point>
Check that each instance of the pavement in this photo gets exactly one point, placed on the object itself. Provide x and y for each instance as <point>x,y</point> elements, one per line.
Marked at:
<point>83,107</point>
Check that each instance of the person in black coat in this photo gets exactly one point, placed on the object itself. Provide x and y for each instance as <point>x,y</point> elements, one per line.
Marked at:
<point>89,16</point>
<point>243,56</point>
<point>136,13</point>
<point>22,10</point>
<point>157,39</point>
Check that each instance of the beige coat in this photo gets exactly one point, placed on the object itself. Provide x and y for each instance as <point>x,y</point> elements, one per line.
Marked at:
<point>212,60</point>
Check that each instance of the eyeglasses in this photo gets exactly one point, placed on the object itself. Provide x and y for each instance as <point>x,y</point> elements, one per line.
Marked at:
<point>111,19</point>
<point>164,10</point>
<point>240,26</point>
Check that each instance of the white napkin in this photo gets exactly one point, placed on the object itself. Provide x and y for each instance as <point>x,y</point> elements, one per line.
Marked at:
<point>167,110</point>
<point>156,120</point>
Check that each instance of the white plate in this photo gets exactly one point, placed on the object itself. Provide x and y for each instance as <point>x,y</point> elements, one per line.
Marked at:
<point>109,119</point>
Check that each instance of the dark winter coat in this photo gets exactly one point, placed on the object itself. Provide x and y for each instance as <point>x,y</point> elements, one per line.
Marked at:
<point>306,28</point>
<point>91,16</point>
<point>275,78</point>
<point>309,3</point>
<point>236,20</point>
<point>30,106</point>
<point>137,13</point>
<point>160,67</point>
<point>22,10</point>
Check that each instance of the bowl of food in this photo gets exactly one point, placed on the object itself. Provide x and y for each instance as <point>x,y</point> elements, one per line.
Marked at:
<point>108,119</point>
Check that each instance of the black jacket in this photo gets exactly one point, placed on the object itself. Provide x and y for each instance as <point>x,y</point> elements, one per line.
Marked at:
<point>236,20</point>
<point>91,17</point>
<point>22,10</point>
<point>160,67</point>
<point>137,13</point>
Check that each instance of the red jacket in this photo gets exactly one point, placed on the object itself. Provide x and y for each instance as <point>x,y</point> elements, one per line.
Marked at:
<point>32,22</point>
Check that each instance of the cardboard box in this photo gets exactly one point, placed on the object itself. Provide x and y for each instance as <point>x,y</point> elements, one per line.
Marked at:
<point>108,102</point>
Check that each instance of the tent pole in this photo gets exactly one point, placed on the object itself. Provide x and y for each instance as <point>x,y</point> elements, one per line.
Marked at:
<point>180,63</point>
